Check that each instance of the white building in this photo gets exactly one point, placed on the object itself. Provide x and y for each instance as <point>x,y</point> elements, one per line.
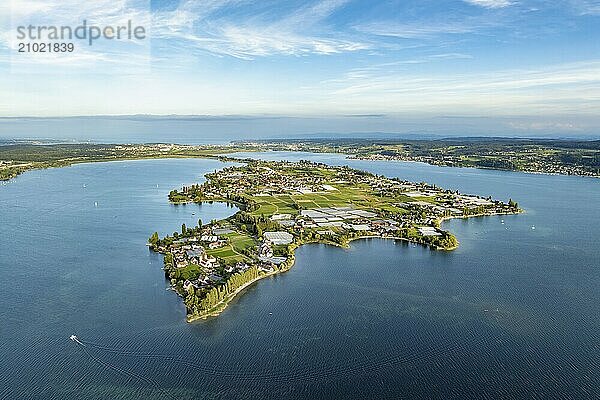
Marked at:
<point>278,237</point>
<point>429,231</point>
<point>279,217</point>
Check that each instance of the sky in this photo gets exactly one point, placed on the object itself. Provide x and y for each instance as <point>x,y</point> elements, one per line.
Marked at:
<point>528,66</point>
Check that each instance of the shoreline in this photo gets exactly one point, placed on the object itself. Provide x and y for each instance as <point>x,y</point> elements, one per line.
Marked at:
<point>350,157</point>
<point>72,162</point>
<point>222,305</point>
<point>67,162</point>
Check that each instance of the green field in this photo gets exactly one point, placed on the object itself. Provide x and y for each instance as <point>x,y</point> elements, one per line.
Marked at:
<point>269,205</point>
<point>192,271</point>
<point>359,197</point>
<point>232,252</point>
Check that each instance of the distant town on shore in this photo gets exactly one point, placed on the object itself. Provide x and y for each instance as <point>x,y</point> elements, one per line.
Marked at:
<point>549,156</point>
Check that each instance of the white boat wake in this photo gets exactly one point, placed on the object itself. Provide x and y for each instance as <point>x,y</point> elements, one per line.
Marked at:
<point>110,366</point>
<point>401,356</point>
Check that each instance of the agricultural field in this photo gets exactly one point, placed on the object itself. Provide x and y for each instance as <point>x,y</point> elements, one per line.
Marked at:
<point>361,197</point>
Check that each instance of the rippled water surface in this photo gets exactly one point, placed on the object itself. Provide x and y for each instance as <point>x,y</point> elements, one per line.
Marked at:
<point>513,313</point>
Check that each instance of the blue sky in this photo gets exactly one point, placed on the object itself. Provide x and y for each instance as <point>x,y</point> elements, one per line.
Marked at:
<point>533,65</point>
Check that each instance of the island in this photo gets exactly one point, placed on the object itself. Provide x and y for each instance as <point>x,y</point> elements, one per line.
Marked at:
<point>284,205</point>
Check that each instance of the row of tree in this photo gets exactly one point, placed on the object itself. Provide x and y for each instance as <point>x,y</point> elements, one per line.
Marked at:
<point>255,224</point>
<point>200,301</point>
<point>177,197</point>
<point>446,241</point>
<point>155,241</point>
<point>241,198</point>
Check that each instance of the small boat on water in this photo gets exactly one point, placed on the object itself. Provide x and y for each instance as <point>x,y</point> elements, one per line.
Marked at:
<point>74,338</point>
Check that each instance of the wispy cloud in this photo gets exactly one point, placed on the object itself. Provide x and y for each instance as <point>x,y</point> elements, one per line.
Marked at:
<point>398,55</point>
<point>586,7</point>
<point>562,88</point>
<point>450,56</point>
<point>415,30</point>
<point>302,31</point>
<point>490,3</point>
<point>73,11</point>
<point>547,126</point>
<point>431,58</point>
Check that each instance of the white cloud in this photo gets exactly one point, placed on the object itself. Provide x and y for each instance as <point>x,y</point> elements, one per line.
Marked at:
<point>416,30</point>
<point>546,126</point>
<point>586,7</point>
<point>490,3</point>
<point>249,42</point>
<point>560,88</point>
<point>451,56</point>
<point>249,36</point>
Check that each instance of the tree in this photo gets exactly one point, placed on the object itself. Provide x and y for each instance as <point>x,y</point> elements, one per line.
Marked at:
<point>183,229</point>
<point>154,239</point>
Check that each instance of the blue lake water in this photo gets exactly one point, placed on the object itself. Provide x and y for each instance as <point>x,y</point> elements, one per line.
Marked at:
<point>513,313</point>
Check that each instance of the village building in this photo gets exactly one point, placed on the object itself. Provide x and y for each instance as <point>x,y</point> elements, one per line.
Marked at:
<point>265,250</point>
<point>279,238</point>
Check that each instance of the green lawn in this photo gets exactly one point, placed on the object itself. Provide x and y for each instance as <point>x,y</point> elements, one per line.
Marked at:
<point>233,252</point>
<point>192,271</point>
<point>270,205</point>
<point>222,252</point>
<point>241,241</point>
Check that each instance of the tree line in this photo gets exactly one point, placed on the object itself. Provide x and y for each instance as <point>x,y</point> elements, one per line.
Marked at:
<point>199,301</point>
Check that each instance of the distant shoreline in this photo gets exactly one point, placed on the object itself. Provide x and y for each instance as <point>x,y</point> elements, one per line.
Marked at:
<point>16,159</point>
<point>349,157</point>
